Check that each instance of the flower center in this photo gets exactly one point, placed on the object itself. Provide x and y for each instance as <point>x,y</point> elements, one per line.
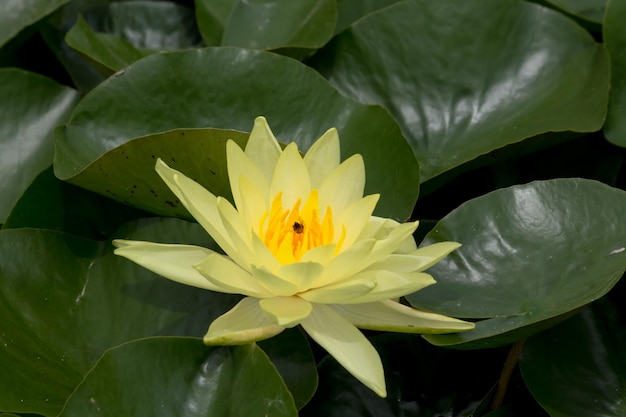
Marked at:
<point>290,233</point>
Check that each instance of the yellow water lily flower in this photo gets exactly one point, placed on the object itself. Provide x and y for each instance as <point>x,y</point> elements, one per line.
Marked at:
<point>302,245</point>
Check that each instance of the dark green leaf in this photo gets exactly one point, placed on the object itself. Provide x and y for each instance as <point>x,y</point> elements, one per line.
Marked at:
<point>531,255</point>
<point>18,14</point>
<point>30,107</point>
<point>349,11</point>
<point>577,369</point>
<point>68,209</point>
<point>181,377</point>
<point>203,89</point>
<point>592,10</point>
<point>615,36</point>
<point>465,78</point>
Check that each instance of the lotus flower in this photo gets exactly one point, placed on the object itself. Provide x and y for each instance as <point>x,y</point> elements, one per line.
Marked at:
<point>301,244</point>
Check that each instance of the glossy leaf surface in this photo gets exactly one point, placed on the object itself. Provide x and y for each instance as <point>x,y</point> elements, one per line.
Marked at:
<point>18,14</point>
<point>187,379</point>
<point>530,255</point>
<point>202,89</point>
<point>615,35</point>
<point>30,107</point>
<point>465,78</point>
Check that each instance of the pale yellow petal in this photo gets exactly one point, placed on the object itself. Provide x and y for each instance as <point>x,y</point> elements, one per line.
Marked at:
<point>343,186</point>
<point>347,345</point>
<point>322,157</point>
<point>273,283</point>
<point>286,311</point>
<point>240,165</point>
<point>390,285</point>
<point>253,205</point>
<point>418,260</point>
<point>342,292</point>
<point>241,238</point>
<point>244,323</point>
<point>224,273</point>
<point>321,254</point>
<point>264,256</point>
<point>347,263</point>
<point>291,177</point>
<point>302,274</point>
<point>356,216</point>
<point>431,254</point>
<point>263,148</point>
<point>392,316</point>
<point>170,261</point>
<point>200,203</point>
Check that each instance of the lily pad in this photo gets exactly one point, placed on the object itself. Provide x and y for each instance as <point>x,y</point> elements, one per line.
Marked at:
<point>18,14</point>
<point>203,89</point>
<point>465,78</point>
<point>30,107</point>
<point>577,369</point>
<point>267,25</point>
<point>615,41</point>
<point>531,256</point>
<point>186,378</point>
<point>591,10</point>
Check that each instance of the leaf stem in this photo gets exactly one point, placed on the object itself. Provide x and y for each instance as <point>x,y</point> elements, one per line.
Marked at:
<point>507,370</point>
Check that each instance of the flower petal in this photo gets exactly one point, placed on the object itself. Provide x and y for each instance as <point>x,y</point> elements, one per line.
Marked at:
<point>291,177</point>
<point>391,316</point>
<point>356,216</point>
<point>273,283</point>
<point>322,157</point>
<point>302,274</point>
<point>171,261</point>
<point>286,311</point>
<point>341,292</point>
<point>347,345</point>
<point>343,186</point>
<point>224,273</point>
<point>241,165</point>
<point>244,323</point>
<point>347,263</point>
<point>200,203</point>
<point>263,148</point>
<point>253,205</point>
<point>418,260</point>
<point>390,285</point>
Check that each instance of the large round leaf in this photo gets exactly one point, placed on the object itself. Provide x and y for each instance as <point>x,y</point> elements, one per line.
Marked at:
<point>615,40</point>
<point>531,255</point>
<point>226,88</point>
<point>465,78</point>
<point>64,300</point>
<point>592,10</point>
<point>17,14</point>
<point>30,107</point>
<point>181,377</point>
<point>577,369</point>
<point>268,24</point>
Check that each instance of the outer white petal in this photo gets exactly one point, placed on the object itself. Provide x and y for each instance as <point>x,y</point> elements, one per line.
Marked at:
<point>291,177</point>
<point>347,345</point>
<point>390,285</point>
<point>171,261</point>
<point>286,311</point>
<point>244,323</point>
<point>224,273</point>
<point>240,165</point>
<point>343,186</point>
<point>391,316</point>
<point>322,157</point>
<point>273,283</point>
<point>201,204</point>
<point>263,148</point>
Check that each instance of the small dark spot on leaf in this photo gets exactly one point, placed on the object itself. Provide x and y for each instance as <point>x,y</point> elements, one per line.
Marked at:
<point>173,160</point>
<point>153,157</point>
<point>171,203</point>
<point>134,185</point>
<point>212,172</point>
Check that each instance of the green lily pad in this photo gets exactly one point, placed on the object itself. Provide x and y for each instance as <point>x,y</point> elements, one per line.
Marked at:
<point>30,107</point>
<point>615,40</point>
<point>168,376</point>
<point>267,25</point>
<point>577,369</point>
<point>18,14</point>
<point>203,89</point>
<point>531,256</point>
<point>465,78</point>
<point>591,10</point>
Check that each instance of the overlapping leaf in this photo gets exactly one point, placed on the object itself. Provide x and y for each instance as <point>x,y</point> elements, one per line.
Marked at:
<point>531,255</point>
<point>615,40</point>
<point>465,78</point>
<point>18,14</point>
<point>225,88</point>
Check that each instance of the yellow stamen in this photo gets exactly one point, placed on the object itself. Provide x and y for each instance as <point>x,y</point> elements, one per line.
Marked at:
<point>290,233</point>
